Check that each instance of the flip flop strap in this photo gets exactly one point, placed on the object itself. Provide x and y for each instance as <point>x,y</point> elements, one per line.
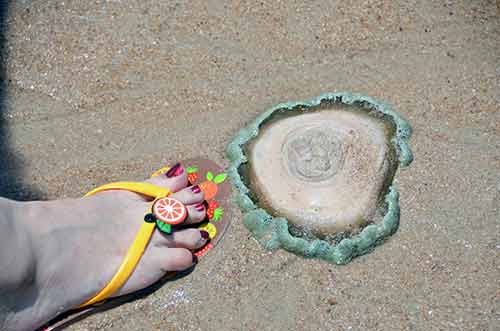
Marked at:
<point>147,189</point>
<point>141,240</point>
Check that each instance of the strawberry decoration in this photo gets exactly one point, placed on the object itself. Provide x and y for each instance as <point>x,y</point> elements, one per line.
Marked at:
<point>213,204</point>
<point>192,174</point>
<point>211,208</point>
<point>214,212</point>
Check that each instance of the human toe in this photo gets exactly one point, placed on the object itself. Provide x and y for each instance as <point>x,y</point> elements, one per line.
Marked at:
<point>191,239</point>
<point>174,178</point>
<point>176,259</point>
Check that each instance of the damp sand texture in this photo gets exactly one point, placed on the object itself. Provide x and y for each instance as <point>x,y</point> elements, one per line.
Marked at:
<point>112,90</point>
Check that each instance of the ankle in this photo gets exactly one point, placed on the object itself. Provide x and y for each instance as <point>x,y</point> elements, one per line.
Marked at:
<point>17,259</point>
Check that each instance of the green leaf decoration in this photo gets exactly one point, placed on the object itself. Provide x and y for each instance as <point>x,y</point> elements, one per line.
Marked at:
<point>218,212</point>
<point>210,175</point>
<point>190,170</point>
<point>164,227</point>
<point>220,178</point>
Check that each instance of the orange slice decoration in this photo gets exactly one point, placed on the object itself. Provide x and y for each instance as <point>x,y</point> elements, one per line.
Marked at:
<point>169,210</point>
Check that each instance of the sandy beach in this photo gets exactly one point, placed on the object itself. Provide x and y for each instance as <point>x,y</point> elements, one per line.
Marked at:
<point>95,91</point>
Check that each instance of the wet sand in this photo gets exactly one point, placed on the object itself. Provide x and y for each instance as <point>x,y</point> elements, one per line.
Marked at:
<point>107,90</point>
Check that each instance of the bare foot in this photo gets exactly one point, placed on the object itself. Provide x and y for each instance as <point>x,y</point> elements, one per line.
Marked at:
<point>60,253</point>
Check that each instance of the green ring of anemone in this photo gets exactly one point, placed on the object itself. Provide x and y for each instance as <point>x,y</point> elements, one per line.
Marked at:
<point>272,232</point>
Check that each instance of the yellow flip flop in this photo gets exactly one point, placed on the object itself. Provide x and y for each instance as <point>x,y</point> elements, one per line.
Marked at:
<point>163,214</point>
<point>140,242</point>
<point>217,193</point>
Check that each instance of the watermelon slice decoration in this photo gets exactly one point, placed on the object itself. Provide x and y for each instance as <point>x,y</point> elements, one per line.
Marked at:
<point>205,249</point>
<point>169,211</point>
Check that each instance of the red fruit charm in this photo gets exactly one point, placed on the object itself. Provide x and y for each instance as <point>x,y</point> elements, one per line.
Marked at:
<point>205,249</point>
<point>214,212</point>
<point>192,174</point>
<point>212,204</point>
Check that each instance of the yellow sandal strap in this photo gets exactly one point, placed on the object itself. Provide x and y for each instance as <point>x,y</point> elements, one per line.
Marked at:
<point>150,190</point>
<point>128,265</point>
<point>141,240</point>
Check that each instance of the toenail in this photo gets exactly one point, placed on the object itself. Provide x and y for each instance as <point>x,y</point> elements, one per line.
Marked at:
<point>204,234</point>
<point>200,206</point>
<point>195,259</point>
<point>176,170</point>
<point>196,189</point>
<point>179,171</point>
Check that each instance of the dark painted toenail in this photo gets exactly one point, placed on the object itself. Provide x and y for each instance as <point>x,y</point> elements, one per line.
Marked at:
<point>179,171</point>
<point>150,218</point>
<point>195,259</point>
<point>196,189</point>
<point>200,206</point>
<point>204,234</point>
<point>176,170</point>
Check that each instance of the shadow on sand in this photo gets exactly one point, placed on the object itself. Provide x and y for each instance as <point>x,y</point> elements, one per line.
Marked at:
<point>12,183</point>
<point>66,319</point>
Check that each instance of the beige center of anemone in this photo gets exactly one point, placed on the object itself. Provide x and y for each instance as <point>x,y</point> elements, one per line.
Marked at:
<point>325,171</point>
<point>312,153</point>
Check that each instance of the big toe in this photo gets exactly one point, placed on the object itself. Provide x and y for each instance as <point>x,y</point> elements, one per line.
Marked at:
<point>174,178</point>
